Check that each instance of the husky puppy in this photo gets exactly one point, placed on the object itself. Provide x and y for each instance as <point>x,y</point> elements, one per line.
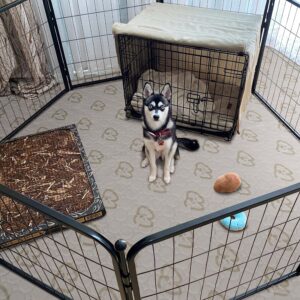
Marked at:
<point>159,132</point>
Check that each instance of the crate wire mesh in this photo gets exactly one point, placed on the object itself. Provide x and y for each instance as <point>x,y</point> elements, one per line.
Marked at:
<point>278,81</point>
<point>204,261</point>
<point>30,72</point>
<point>207,84</point>
<point>68,261</point>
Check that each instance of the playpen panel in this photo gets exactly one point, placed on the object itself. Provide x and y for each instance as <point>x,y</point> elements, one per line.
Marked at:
<point>30,75</point>
<point>69,262</point>
<point>86,32</point>
<point>278,78</point>
<point>203,260</point>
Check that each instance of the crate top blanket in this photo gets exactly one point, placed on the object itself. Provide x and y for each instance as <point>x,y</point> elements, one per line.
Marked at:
<point>195,27</point>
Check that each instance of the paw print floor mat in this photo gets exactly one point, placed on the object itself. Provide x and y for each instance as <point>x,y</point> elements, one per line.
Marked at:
<point>50,167</point>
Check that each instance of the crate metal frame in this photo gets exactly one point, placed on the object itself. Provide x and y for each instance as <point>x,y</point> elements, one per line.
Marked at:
<point>140,54</point>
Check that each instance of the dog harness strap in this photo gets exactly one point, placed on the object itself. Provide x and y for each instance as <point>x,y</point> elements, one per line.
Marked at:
<point>161,135</point>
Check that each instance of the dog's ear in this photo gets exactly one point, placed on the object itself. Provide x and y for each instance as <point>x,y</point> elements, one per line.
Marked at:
<point>166,91</point>
<point>147,90</point>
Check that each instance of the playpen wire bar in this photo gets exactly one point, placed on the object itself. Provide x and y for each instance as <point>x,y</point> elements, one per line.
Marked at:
<point>58,261</point>
<point>258,266</point>
<point>276,83</point>
<point>75,39</point>
<point>34,259</point>
<point>10,5</point>
<point>31,74</point>
<point>61,40</point>
<point>68,260</point>
<point>86,35</point>
<point>264,34</point>
<point>280,31</point>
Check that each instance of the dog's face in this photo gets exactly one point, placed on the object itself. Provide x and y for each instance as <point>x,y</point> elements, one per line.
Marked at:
<point>156,106</point>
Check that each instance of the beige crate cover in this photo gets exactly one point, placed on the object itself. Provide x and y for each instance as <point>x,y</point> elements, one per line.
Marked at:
<point>184,25</point>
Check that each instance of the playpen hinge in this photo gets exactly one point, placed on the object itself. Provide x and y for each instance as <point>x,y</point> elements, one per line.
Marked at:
<point>57,43</point>
<point>120,246</point>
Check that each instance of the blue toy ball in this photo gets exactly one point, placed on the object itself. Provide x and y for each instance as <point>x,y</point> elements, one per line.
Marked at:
<point>236,222</point>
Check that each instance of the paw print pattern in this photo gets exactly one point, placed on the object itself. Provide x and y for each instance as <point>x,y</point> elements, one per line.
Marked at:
<point>110,198</point>
<point>214,294</point>
<point>283,173</point>
<point>84,124</point>
<point>137,145</point>
<point>125,170</point>
<point>203,171</point>
<point>41,129</point>
<point>281,289</point>
<point>169,278</point>
<point>227,258</point>
<point>245,188</point>
<point>110,90</point>
<point>285,206</point>
<point>66,271</point>
<point>249,135</point>
<point>75,98</point>
<point>121,114</point>
<point>32,255</point>
<point>157,186</point>
<point>144,217</point>
<point>110,134</point>
<point>245,159</point>
<point>194,201</point>
<point>211,146</point>
<point>16,122</point>
<point>278,238</point>
<point>284,147</point>
<point>95,157</point>
<point>60,115</point>
<point>253,116</point>
<point>98,106</point>
<point>4,294</point>
<point>106,293</point>
<point>185,240</point>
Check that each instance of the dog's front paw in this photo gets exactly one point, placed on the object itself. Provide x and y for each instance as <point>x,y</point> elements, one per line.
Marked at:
<point>145,163</point>
<point>167,179</point>
<point>152,178</point>
<point>172,168</point>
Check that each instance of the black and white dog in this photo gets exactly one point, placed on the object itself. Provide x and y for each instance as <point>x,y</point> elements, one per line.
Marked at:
<point>159,132</point>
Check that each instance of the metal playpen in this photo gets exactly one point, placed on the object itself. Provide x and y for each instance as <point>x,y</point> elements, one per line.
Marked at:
<point>67,44</point>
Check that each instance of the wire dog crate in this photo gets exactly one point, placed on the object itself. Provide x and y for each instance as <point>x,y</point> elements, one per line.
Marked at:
<point>210,70</point>
<point>207,84</point>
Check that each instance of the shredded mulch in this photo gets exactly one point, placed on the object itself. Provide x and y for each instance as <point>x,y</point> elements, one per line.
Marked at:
<point>48,167</point>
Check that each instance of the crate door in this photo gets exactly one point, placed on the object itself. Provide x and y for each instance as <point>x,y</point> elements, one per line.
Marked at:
<point>277,78</point>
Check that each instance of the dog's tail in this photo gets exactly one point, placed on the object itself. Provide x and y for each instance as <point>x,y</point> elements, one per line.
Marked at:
<point>188,144</point>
